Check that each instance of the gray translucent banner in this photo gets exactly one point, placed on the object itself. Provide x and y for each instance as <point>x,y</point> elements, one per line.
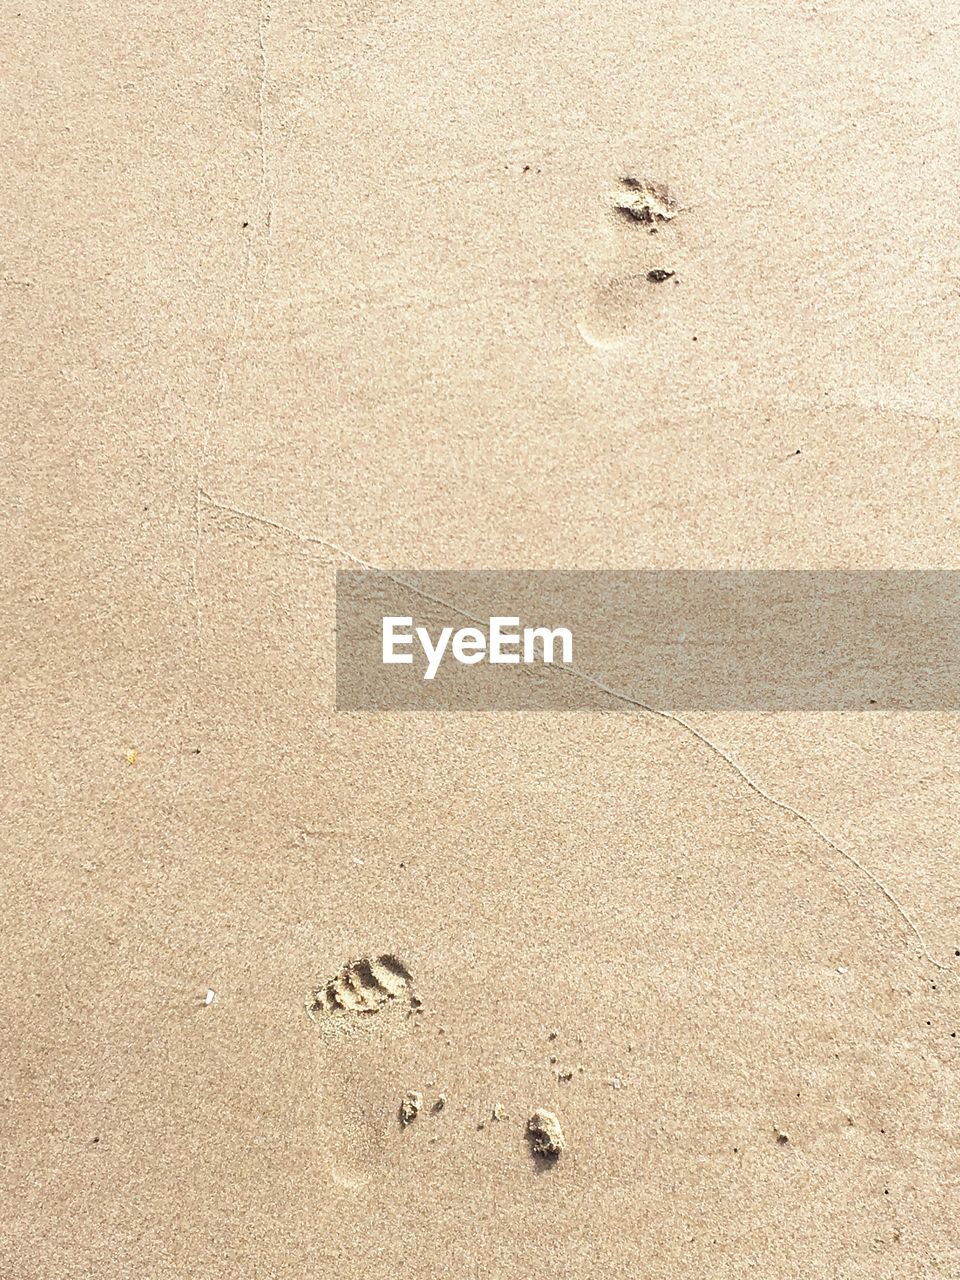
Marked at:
<point>769,640</point>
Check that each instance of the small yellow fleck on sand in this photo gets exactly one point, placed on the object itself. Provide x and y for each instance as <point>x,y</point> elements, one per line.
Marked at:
<point>132,757</point>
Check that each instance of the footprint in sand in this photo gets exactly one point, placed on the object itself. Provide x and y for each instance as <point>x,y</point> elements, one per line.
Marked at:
<point>620,306</point>
<point>366,985</point>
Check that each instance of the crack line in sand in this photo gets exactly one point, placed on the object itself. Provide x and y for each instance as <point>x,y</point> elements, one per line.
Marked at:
<point>783,805</point>
<point>230,345</point>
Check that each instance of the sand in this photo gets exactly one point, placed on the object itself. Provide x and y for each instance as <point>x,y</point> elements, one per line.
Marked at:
<point>285,282</point>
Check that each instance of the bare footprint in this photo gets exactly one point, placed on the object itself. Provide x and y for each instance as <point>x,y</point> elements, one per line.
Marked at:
<point>647,202</point>
<point>366,985</point>
<point>621,303</point>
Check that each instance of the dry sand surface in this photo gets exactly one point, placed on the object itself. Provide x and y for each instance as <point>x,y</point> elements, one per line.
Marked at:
<point>359,270</point>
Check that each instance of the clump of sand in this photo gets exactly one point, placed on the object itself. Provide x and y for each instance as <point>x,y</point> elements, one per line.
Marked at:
<point>545,1134</point>
<point>411,1104</point>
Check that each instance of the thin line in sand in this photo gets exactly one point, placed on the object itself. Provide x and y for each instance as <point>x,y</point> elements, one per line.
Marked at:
<point>783,805</point>
<point>231,344</point>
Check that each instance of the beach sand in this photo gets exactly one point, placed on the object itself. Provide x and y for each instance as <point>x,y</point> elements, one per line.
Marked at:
<point>282,283</point>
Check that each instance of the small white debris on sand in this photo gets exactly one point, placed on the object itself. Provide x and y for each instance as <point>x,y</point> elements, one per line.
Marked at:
<point>616,1083</point>
<point>497,1113</point>
<point>411,1104</point>
<point>210,996</point>
<point>546,1136</point>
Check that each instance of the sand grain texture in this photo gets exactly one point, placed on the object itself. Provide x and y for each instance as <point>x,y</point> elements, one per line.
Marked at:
<point>358,272</point>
